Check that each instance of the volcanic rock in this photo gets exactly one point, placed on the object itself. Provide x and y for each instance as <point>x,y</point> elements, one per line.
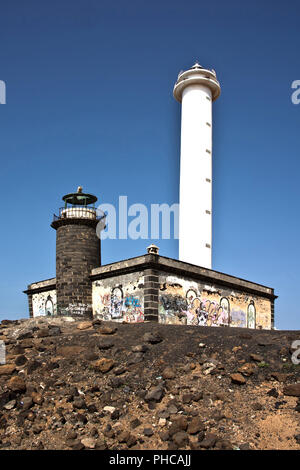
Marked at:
<point>104,365</point>
<point>292,390</point>
<point>238,379</point>
<point>16,384</point>
<point>7,369</point>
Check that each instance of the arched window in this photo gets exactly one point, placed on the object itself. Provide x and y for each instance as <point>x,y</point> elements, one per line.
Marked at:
<point>49,310</point>
<point>225,307</point>
<point>251,315</point>
<point>116,302</point>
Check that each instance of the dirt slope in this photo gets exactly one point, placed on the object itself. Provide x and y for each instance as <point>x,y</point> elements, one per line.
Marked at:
<point>76,385</point>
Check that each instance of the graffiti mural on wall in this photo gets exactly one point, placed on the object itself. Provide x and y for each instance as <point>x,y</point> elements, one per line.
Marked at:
<point>118,303</point>
<point>118,307</point>
<point>205,312</point>
<point>44,304</point>
<point>194,310</point>
<point>183,301</point>
<point>133,311</point>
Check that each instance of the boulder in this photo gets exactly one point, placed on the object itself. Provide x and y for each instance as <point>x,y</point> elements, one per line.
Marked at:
<point>209,441</point>
<point>152,338</point>
<point>247,369</point>
<point>155,394</point>
<point>181,439</point>
<point>238,379</point>
<point>104,365</point>
<point>7,369</point>
<point>84,325</point>
<point>168,373</point>
<point>292,390</point>
<point>195,426</point>
<point>16,384</point>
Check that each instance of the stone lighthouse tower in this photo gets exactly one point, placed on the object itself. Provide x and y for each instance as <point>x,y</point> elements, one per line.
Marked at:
<point>77,253</point>
<point>196,89</point>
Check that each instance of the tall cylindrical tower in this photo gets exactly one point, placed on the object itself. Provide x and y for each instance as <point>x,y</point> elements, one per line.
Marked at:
<point>77,253</point>
<point>196,89</point>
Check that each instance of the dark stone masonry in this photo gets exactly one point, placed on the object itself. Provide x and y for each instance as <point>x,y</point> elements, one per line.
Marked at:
<point>145,288</point>
<point>77,253</point>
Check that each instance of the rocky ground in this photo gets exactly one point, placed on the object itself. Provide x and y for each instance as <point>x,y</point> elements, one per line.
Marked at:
<point>92,385</point>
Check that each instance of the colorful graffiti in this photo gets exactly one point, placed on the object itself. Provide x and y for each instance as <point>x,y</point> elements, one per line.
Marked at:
<point>133,311</point>
<point>193,310</point>
<point>183,301</point>
<point>126,308</point>
<point>112,303</point>
<point>207,313</point>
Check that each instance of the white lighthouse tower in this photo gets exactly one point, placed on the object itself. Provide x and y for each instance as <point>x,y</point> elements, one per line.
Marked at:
<point>196,89</point>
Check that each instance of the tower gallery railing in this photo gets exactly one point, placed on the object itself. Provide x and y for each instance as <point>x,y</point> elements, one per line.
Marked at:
<point>78,212</point>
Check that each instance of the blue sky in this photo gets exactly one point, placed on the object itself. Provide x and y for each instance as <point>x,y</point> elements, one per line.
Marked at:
<point>89,101</point>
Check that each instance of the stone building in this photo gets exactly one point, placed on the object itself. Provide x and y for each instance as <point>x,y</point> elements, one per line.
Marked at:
<point>146,288</point>
<point>152,287</point>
